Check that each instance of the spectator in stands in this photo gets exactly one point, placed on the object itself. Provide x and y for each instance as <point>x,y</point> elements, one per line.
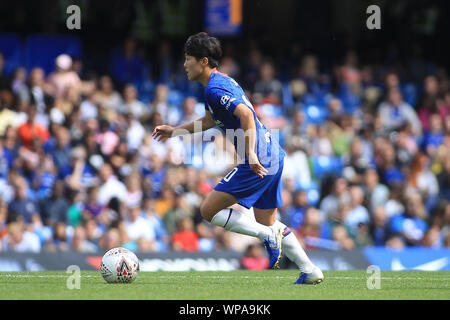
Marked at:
<point>127,63</point>
<point>39,90</point>
<point>79,243</point>
<point>254,258</point>
<point>357,213</point>
<point>410,227</point>
<point>165,66</point>
<point>157,225</point>
<point>63,77</point>
<point>395,112</point>
<point>156,174</point>
<point>356,163</point>
<point>22,204</point>
<point>341,236</point>
<point>132,104</point>
<point>59,241</point>
<point>320,142</point>
<point>111,186</point>
<point>336,110</point>
<point>60,148</point>
<point>339,196</point>
<point>296,127</point>
<point>169,113</point>
<point>19,84</point>
<point>429,103</point>
<point>189,112</point>
<point>299,209</point>
<point>32,134</point>
<point>54,208</point>
<point>310,228</point>
<point>378,228</point>
<point>423,181</point>
<point>75,210</point>
<point>107,97</point>
<point>110,239</point>
<point>3,221</point>
<point>391,174</point>
<point>406,147</point>
<point>8,116</point>
<point>443,179</point>
<point>285,211</point>
<point>230,67</point>
<point>252,67</point>
<point>376,193</point>
<point>184,238</point>
<point>181,209</point>
<point>267,87</point>
<point>138,228</point>
<point>296,164</point>
<point>434,137</point>
<point>19,239</point>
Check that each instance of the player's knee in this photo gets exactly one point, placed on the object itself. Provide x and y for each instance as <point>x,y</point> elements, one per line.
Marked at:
<point>206,212</point>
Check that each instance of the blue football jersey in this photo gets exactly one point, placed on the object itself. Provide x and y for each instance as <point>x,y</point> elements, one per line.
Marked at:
<point>223,94</point>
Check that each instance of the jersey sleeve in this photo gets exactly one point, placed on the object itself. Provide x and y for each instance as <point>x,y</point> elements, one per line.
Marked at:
<point>221,98</point>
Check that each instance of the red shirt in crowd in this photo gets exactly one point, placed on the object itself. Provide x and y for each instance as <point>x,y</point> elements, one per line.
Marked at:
<point>186,240</point>
<point>28,131</point>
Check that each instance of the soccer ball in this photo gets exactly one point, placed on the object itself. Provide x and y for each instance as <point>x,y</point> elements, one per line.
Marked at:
<point>119,265</point>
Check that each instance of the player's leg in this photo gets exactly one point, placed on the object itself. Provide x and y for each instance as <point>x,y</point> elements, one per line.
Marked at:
<point>215,210</point>
<point>291,247</point>
<point>310,274</point>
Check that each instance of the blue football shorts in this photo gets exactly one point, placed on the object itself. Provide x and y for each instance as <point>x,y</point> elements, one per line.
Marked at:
<point>251,190</point>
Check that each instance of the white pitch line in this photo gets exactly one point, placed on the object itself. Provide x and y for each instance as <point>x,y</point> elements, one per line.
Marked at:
<point>148,275</point>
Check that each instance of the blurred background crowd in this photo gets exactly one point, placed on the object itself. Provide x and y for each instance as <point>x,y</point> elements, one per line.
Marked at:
<point>367,143</point>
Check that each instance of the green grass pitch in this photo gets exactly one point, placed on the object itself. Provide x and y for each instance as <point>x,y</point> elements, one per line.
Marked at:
<point>233,285</point>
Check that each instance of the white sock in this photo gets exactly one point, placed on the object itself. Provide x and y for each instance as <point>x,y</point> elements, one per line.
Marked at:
<point>235,221</point>
<point>294,251</point>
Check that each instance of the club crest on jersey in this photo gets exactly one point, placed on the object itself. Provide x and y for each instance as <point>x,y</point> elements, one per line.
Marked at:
<point>224,99</point>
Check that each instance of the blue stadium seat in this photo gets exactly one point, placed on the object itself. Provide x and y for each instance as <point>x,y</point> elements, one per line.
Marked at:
<point>11,48</point>
<point>312,192</point>
<point>146,90</point>
<point>309,98</point>
<point>42,50</point>
<point>288,100</point>
<point>128,69</point>
<point>175,98</point>
<point>322,165</point>
<point>409,91</point>
<point>316,114</point>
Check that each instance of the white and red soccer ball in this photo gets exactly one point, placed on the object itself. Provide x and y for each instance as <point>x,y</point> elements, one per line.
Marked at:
<point>119,265</point>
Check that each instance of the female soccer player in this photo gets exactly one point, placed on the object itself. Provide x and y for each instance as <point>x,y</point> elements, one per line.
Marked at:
<point>256,182</point>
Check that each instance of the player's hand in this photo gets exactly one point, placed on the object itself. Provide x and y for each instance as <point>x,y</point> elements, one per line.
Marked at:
<point>162,133</point>
<point>256,166</point>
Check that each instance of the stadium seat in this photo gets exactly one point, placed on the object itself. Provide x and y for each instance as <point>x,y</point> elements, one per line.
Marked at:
<point>11,48</point>
<point>146,90</point>
<point>129,69</point>
<point>175,98</point>
<point>288,100</point>
<point>312,192</point>
<point>409,93</point>
<point>315,113</point>
<point>42,50</point>
<point>323,165</point>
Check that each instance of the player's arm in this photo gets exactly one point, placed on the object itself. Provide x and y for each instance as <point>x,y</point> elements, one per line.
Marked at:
<point>163,132</point>
<point>245,115</point>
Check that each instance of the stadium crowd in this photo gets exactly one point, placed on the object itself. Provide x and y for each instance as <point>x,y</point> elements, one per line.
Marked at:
<point>368,154</point>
